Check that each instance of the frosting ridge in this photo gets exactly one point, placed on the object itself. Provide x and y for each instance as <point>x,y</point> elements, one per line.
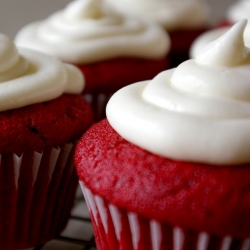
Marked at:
<point>89,31</point>
<point>198,112</point>
<point>237,11</point>
<point>172,14</point>
<point>227,50</point>
<point>28,77</point>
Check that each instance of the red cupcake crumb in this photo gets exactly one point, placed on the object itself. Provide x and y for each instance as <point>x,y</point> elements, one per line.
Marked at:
<point>111,75</point>
<point>46,124</point>
<point>200,197</point>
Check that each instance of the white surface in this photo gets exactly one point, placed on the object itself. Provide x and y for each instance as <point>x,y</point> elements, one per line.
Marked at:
<point>14,14</point>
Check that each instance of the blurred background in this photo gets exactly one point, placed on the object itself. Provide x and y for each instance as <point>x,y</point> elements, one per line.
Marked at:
<point>14,14</point>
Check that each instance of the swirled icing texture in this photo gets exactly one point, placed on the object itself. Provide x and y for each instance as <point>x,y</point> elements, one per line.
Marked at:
<point>212,35</point>
<point>236,12</point>
<point>206,38</point>
<point>28,77</point>
<point>239,10</point>
<point>88,31</point>
<point>172,14</point>
<point>198,112</point>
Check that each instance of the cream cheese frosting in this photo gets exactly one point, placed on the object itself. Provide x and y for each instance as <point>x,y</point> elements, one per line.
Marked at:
<point>198,112</point>
<point>172,14</point>
<point>88,31</point>
<point>28,77</point>
<point>212,35</point>
<point>239,10</point>
<point>236,12</point>
<point>204,39</point>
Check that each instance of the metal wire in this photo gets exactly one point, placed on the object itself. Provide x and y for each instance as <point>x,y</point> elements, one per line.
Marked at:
<point>84,244</point>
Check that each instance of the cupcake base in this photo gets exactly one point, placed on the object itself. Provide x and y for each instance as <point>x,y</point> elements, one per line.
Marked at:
<point>34,185</point>
<point>116,228</point>
<point>105,78</point>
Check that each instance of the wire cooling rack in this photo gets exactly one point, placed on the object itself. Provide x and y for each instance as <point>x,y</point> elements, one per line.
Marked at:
<point>78,234</point>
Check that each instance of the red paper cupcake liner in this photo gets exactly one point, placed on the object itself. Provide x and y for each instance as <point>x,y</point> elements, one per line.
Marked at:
<point>33,188</point>
<point>118,229</point>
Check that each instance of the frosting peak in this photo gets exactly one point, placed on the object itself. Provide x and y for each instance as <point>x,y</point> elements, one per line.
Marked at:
<point>227,50</point>
<point>238,10</point>
<point>88,31</point>
<point>197,112</point>
<point>28,77</point>
<point>79,9</point>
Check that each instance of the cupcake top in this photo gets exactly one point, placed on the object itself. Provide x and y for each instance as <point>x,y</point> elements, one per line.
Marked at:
<point>238,10</point>
<point>172,14</point>
<point>206,38</point>
<point>88,31</point>
<point>28,77</point>
<point>211,35</point>
<point>198,112</point>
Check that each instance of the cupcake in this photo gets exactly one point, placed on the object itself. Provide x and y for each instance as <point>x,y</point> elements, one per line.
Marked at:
<point>42,114</point>
<point>170,166</point>
<point>183,20</point>
<point>111,49</point>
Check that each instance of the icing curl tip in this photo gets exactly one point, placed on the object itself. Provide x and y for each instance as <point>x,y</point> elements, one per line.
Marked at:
<point>228,50</point>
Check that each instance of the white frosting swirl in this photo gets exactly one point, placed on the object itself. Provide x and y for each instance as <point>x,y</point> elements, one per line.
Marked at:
<point>172,14</point>
<point>198,112</point>
<point>88,31</point>
<point>28,77</point>
<point>204,39</point>
<point>236,12</point>
<point>239,10</point>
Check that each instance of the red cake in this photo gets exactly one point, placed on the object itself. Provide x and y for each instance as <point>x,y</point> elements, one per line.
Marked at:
<point>181,41</point>
<point>111,49</point>
<point>101,83</point>
<point>34,212</point>
<point>42,114</point>
<point>44,124</point>
<point>170,167</point>
<point>194,197</point>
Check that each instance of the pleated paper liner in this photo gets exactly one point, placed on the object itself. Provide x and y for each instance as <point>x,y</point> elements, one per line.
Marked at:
<point>118,229</point>
<point>37,193</point>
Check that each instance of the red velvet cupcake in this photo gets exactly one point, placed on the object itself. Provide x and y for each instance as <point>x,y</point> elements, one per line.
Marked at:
<point>111,49</point>
<point>170,168</point>
<point>42,115</point>
<point>183,20</point>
